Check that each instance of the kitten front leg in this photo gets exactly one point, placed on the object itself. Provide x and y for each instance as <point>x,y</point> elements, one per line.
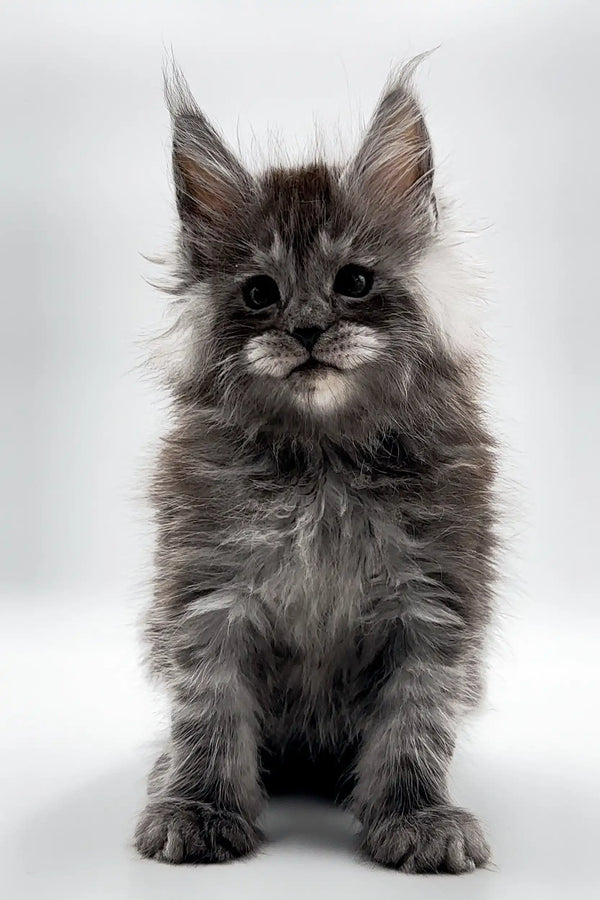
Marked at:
<point>401,795</point>
<point>204,792</point>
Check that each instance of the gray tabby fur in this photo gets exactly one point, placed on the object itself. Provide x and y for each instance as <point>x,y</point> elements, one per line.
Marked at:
<point>325,556</point>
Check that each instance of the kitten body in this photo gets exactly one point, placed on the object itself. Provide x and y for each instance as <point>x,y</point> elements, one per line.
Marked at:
<point>324,501</point>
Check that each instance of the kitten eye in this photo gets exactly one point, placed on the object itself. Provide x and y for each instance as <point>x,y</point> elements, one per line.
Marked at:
<point>353,281</point>
<point>260,291</point>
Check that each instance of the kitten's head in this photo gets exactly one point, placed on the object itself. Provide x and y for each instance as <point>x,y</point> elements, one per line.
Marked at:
<point>313,297</point>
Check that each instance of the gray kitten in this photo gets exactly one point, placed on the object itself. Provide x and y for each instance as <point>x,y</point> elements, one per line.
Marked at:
<point>325,556</point>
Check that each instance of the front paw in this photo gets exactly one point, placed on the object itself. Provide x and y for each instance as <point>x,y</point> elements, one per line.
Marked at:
<point>180,832</point>
<point>444,839</point>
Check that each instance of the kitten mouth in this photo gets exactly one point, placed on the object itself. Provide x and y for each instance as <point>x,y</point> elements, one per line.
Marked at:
<point>312,365</point>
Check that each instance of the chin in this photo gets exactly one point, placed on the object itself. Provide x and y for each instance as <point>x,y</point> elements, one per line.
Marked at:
<point>321,391</point>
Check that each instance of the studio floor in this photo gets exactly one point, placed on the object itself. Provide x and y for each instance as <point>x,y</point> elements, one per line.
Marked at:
<point>79,733</point>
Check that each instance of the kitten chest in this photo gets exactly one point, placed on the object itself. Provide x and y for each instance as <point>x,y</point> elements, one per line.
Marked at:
<point>315,560</point>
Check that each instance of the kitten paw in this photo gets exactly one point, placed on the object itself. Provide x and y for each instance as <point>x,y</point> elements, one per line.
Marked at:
<point>444,839</point>
<point>179,832</point>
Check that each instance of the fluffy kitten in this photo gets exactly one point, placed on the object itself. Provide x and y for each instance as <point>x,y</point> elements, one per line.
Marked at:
<point>324,500</point>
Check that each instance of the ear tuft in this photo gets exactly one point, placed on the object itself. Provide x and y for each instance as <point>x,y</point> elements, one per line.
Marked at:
<point>178,96</point>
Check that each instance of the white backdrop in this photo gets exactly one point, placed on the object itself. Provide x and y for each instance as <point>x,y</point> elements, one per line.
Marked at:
<point>511,96</point>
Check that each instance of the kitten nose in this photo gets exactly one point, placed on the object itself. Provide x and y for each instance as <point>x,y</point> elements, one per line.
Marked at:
<point>308,337</point>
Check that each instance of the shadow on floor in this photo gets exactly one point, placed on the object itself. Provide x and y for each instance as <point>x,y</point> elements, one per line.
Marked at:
<point>81,846</point>
<point>541,820</point>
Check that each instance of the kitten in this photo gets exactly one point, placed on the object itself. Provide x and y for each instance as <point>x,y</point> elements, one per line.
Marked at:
<point>325,557</point>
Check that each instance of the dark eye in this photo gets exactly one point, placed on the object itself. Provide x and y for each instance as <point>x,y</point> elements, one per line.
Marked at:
<point>353,281</point>
<point>260,291</point>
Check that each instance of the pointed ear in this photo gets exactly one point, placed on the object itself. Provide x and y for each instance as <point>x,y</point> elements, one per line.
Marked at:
<point>211,186</point>
<point>394,165</point>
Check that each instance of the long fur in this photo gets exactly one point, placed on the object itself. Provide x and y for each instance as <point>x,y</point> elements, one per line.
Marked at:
<point>325,558</point>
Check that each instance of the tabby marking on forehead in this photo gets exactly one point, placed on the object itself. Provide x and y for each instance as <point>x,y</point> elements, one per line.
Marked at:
<point>334,247</point>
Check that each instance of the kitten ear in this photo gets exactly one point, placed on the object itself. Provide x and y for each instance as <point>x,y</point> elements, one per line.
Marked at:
<point>211,186</point>
<point>394,165</point>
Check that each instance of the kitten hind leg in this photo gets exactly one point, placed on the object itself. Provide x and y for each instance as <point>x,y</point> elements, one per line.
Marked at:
<point>158,775</point>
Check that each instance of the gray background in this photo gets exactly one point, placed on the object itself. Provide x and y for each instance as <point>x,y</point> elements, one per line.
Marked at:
<point>512,97</point>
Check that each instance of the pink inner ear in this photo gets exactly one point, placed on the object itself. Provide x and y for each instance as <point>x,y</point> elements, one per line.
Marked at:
<point>214,195</point>
<point>401,158</point>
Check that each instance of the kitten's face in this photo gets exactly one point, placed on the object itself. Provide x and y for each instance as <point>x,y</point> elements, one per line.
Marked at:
<point>311,315</point>
<point>308,318</point>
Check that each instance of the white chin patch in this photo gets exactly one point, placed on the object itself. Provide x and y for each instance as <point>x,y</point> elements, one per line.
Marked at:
<point>328,390</point>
